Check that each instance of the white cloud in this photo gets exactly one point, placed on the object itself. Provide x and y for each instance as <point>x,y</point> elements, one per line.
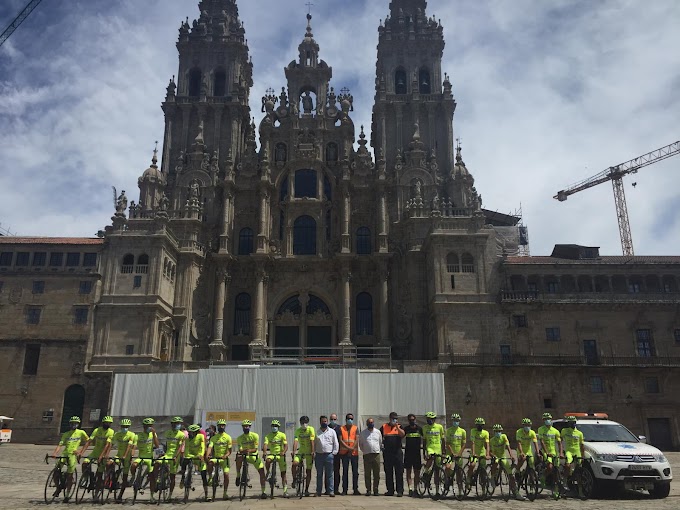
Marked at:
<point>548,93</point>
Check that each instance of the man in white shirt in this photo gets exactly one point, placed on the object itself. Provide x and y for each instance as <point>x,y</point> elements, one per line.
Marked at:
<point>326,446</point>
<point>370,444</point>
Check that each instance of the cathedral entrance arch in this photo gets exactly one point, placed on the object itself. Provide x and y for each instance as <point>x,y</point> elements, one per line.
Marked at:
<point>74,401</point>
<point>303,326</point>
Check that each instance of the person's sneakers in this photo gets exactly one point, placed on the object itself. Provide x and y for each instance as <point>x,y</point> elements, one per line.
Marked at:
<point>375,493</point>
<point>293,484</point>
<point>263,496</point>
<point>519,497</point>
<point>208,499</point>
<point>181,484</point>
<point>67,499</point>
<point>410,493</point>
<point>389,493</point>
<point>285,495</point>
<point>238,480</point>
<point>152,499</point>
<point>318,494</point>
<point>332,494</point>
<point>307,494</point>
<point>368,493</point>
<point>356,493</point>
<point>400,494</point>
<point>56,493</point>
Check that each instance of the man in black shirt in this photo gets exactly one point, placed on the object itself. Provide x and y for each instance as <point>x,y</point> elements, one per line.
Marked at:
<point>393,456</point>
<point>412,454</point>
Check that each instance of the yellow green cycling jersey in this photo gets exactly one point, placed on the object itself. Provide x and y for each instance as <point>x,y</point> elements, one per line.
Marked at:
<point>195,446</point>
<point>433,435</point>
<point>572,440</point>
<point>275,442</point>
<point>550,436</point>
<point>526,439</point>
<point>100,437</point>
<point>479,439</point>
<point>498,446</point>
<point>456,438</point>
<point>221,444</point>
<point>72,440</point>
<point>173,440</point>
<point>249,441</point>
<point>305,437</point>
<point>122,440</point>
<point>145,445</point>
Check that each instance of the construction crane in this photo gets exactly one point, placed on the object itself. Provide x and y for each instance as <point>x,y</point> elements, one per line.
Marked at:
<point>616,174</point>
<point>18,20</point>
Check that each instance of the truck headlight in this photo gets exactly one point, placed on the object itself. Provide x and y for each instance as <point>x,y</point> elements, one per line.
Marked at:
<point>605,457</point>
<point>660,458</point>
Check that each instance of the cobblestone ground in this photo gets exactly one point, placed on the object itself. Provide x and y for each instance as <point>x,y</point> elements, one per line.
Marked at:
<point>23,474</point>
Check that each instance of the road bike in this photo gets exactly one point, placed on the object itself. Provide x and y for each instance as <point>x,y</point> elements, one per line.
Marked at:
<point>58,480</point>
<point>581,479</point>
<point>273,482</point>
<point>90,482</point>
<point>188,467</point>
<point>458,479</point>
<point>500,479</point>
<point>112,483</point>
<point>244,482</point>
<point>217,477</point>
<point>481,479</point>
<point>442,481</point>
<point>141,480</point>
<point>163,479</point>
<point>528,480</point>
<point>300,478</point>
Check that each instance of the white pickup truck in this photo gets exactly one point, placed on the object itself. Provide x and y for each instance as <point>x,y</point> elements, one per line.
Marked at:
<point>619,459</point>
<point>5,429</point>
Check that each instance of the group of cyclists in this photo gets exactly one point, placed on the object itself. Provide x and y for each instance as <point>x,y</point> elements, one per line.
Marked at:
<point>181,447</point>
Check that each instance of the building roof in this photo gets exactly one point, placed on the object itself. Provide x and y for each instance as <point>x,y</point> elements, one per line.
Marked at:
<point>51,240</point>
<point>645,259</point>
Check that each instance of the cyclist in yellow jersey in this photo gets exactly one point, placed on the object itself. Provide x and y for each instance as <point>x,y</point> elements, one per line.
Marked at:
<point>527,444</point>
<point>70,442</point>
<point>145,443</point>
<point>433,439</point>
<point>194,455</point>
<point>572,439</point>
<point>276,443</point>
<point>124,440</point>
<point>456,439</point>
<point>173,441</point>
<point>480,447</point>
<point>219,450</point>
<point>500,449</point>
<point>101,437</point>
<point>550,442</point>
<point>303,450</point>
<point>248,445</point>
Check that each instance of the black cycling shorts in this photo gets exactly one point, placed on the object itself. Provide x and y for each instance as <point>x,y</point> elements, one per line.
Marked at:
<point>413,462</point>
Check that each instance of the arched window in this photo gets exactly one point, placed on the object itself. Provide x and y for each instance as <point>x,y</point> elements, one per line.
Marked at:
<point>142,264</point>
<point>400,83</point>
<point>327,189</point>
<point>283,192</point>
<point>281,153</point>
<point>332,152</point>
<point>128,264</point>
<point>195,79</point>
<point>304,236</point>
<point>242,314</point>
<point>220,83</point>
<point>468,263</point>
<point>292,305</point>
<point>424,83</point>
<point>364,241</point>
<point>364,307</point>
<point>316,304</point>
<point>305,184</point>
<point>245,241</point>
<point>452,263</point>
<point>328,225</point>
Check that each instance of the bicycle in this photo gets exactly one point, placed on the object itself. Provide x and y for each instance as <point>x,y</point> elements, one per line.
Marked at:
<point>217,475</point>
<point>188,474</point>
<point>556,480</point>
<point>57,480</point>
<point>500,480</point>
<point>89,482</point>
<point>244,483</point>
<point>442,480</point>
<point>480,479</point>
<point>112,479</point>
<point>273,482</point>
<point>300,476</point>
<point>581,479</point>
<point>458,479</point>
<point>163,480</point>
<point>141,481</point>
<point>528,479</point>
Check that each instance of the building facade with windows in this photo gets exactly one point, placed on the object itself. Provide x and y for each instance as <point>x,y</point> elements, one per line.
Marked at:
<point>308,247</point>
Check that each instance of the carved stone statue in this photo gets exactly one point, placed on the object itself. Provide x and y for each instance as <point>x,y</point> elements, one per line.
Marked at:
<point>280,154</point>
<point>205,163</point>
<point>418,188</point>
<point>121,203</point>
<point>163,203</point>
<point>194,189</point>
<point>307,103</point>
<point>435,202</point>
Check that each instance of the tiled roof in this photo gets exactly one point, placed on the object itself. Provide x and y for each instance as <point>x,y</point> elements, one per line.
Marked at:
<point>645,259</point>
<point>51,240</point>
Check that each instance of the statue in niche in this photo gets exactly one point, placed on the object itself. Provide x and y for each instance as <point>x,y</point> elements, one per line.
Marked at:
<point>180,163</point>
<point>205,164</point>
<point>281,153</point>
<point>194,189</point>
<point>332,152</point>
<point>435,202</point>
<point>163,203</point>
<point>307,103</point>
<point>418,188</point>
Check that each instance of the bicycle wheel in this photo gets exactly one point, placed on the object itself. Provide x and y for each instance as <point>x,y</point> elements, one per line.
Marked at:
<point>423,482</point>
<point>503,483</point>
<point>109,484</point>
<point>531,484</point>
<point>272,477</point>
<point>300,480</point>
<point>435,489</point>
<point>244,480</point>
<point>215,479</point>
<point>482,483</point>
<point>98,491</point>
<point>83,486</point>
<point>187,480</point>
<point>138,483</point>
<point>163,483</point>
<point>459,480</point>
<point>52,484</point>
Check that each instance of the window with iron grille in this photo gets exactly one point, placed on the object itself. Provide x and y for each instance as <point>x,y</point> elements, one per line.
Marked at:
<point>242,314</point>
<point>72,259</point>
<point>364,308</point>
<point>22,258</point>
<point>80,315</point>
<point>137,282</point>
<point>520,321</point>
<point>364,241</point>
<point>645,343</point>
<point>33,315</point>
<point>652,385</point>
<point>39,258</point>
<point>596,384</point>
<point>304,236</point>
<point>56,259</point>
<point>552,334</point>
<point>6,258</point>
<point>245,241</point>
<point>90,259</point>
<point>129,350</point>
<point>553,287</point>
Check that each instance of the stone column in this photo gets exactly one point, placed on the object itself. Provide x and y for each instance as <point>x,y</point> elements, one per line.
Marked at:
<point>226,220</point>
<point>346,238</point>
<point>262,230</point>
<point>346,310</point>
<point>258,330</point>
<point>384,310</point>
<point>217,346</point>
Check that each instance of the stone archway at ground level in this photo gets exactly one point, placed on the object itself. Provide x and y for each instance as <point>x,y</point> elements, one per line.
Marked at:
<point>303,325</point>
<point>74,402</point>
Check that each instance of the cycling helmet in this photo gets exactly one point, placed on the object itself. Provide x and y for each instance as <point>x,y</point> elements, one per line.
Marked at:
<point>125,422</point>
<point>148,421</point>
<point>177,419</point>
<point>571,418</point>
<point>526,421</point>
<point>304,419</point>
<point>246,423</point>
<point>74,419</point>
<point>480,421</point>
<point>107,419</point>
<point>431,415</point>
<point>194,428</point>
<point>547,416</point>
<point>276,423</point>
<point>455,417</point>
<point>221,422</point>
<point>498,427</point>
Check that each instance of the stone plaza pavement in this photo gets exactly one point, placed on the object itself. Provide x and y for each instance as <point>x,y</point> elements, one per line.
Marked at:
<point>23,474</point>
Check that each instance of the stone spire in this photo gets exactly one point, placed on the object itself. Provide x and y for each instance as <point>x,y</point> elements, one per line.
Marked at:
<point>407,7</point>
<point>219,8</point>
<point>309,48</point>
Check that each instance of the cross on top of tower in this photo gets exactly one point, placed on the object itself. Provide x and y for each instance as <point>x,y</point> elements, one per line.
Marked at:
<point>309,7</point>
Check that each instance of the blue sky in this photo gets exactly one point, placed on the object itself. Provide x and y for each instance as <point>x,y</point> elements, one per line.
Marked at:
<point>548,92</point>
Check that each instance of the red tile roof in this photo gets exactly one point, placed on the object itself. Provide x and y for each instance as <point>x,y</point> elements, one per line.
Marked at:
<point>51,240</point>
<point>645,259</point>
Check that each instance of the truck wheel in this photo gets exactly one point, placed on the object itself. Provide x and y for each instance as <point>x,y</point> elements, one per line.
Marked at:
<point>660,490</point>
<point>590,487</point>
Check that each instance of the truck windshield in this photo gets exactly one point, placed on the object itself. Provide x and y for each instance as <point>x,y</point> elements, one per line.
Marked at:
<point>610,433</point>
